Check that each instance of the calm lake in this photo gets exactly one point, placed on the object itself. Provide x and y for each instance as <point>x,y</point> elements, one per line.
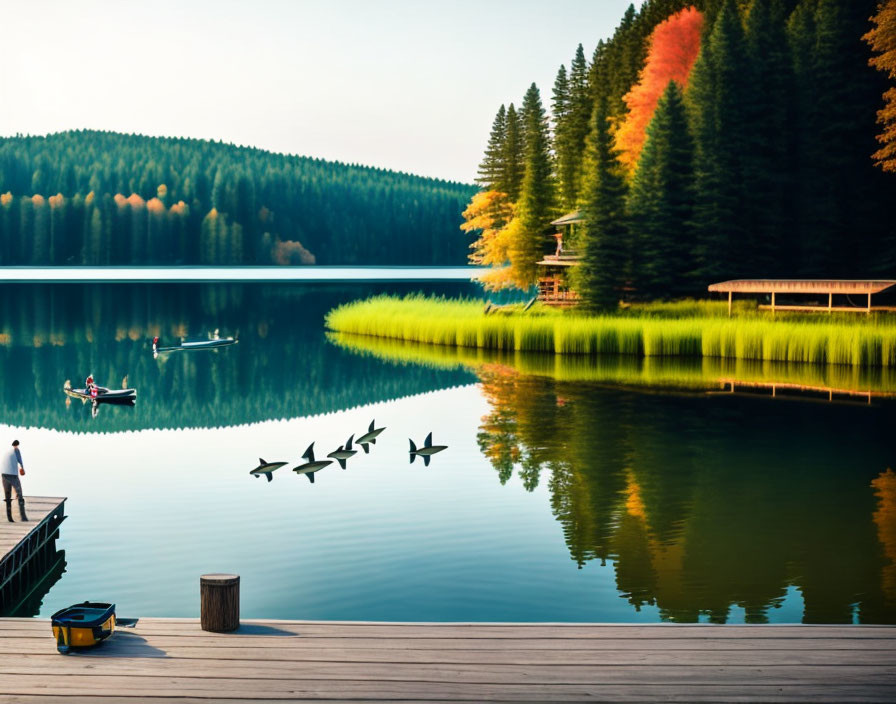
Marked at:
<point>571,490</point>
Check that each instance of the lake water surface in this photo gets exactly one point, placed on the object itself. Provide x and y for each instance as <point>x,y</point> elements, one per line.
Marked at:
<point>571,490</point>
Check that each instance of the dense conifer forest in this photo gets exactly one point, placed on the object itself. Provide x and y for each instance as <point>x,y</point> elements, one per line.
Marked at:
<point>705,140</point>
<point>99,198</point>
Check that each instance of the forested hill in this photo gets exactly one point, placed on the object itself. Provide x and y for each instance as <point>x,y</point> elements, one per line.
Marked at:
<point>87,197</point>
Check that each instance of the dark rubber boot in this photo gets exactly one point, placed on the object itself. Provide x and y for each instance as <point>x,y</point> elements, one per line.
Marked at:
<point>9,510</point>
<point>22,510</point>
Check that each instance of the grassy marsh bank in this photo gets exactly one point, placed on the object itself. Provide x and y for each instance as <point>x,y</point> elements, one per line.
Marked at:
<point>684,329</point>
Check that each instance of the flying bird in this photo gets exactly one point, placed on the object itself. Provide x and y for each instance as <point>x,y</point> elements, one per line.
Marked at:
<point>427,451</point>
<point>310,467</point>
<point>370,436</point>
<point>265,468</point>
<point>344,452</point>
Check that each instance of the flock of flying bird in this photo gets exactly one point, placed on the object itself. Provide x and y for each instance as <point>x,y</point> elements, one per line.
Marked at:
<point>343,453</point>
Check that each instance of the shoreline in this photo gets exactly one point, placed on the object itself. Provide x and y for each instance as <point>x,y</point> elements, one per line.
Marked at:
<point>234,274</point>
<point>697,333</point>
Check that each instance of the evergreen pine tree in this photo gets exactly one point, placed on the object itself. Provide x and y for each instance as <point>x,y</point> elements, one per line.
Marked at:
<point>601,270</point>
<point>571,131</point>
<point>514,145</point>
<point>536,205</point>
<point>661,204</point>
<point>597,73</point>
<point>717,97</point>
<point>845,226</point>
<point>580,108</point>
<point>563,151</point>
<point>801,44</point>
<point>491,170</point>
<point>560,98</point>
<point>94,244</point>
<point>768,174</point>
<point>625,58</point>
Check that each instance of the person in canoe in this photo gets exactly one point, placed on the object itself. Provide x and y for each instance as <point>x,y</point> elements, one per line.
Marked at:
<point>91,387</point>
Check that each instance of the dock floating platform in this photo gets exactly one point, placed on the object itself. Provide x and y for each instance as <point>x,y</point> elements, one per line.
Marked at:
<point>173,660</point>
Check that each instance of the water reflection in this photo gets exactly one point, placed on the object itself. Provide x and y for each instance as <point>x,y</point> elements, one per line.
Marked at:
<point>833,382</point>
<point>575,488</point>
<point>700,502</point>
<point>703,503</point>
<point>24,594</point>
<point>282,368</point>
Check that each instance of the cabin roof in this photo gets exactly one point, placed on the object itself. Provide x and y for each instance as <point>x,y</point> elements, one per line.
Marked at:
<point>572,218</point>
<point>803,286</point>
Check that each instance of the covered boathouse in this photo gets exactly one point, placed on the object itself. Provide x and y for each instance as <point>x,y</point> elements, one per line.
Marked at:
<point>811,295</point>
<point>553,280</point>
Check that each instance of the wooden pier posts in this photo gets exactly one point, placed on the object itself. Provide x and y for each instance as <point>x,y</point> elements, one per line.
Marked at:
<point>219,602</point>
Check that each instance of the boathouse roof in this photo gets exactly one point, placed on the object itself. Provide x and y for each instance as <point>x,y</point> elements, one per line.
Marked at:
<point>865,286</point>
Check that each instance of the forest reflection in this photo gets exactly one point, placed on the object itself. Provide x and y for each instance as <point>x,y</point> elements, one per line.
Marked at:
<point>701,502</point>
<point>281,368</point>
<point>707,503</point>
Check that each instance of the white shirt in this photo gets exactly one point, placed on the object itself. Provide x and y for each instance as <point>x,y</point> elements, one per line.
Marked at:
<point>11,460</point>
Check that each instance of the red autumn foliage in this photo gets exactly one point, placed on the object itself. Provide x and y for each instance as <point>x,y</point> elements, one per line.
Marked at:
<point>673,49</point>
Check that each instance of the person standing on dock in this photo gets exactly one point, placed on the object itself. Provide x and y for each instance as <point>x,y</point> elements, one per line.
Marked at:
<point>12,468</point>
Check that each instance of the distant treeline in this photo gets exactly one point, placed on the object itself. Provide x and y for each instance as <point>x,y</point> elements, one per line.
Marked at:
<point>97,198</point>
<point>705,140</point>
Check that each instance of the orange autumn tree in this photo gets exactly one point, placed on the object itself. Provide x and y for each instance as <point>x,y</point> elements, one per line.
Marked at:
<point>883,41</point>
<point>672,51</point>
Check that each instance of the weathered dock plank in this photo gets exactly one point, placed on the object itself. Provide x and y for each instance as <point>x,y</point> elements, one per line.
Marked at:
<point>172,659</point>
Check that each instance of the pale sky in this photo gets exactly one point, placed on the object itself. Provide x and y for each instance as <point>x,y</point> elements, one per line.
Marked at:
<point>401,84</point>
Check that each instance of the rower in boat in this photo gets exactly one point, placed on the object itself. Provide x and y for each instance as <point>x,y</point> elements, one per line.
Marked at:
<point>97,394</point>
<point>187,345</point>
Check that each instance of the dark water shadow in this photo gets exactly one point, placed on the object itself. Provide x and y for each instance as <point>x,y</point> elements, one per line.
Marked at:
<point>257,629</point>
<point>23,595</point>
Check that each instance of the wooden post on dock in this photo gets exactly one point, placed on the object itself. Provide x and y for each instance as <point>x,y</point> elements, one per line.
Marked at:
<point>219,602</point>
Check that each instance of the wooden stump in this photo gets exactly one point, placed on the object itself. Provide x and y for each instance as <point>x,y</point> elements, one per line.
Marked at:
<point>219,602</point>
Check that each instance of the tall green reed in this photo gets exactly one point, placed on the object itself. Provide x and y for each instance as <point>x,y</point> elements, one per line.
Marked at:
<point>683,329</point>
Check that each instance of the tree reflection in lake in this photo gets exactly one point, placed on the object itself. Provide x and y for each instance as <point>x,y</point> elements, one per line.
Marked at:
<point>701,500</point>
<point>703,503</point>
<point>281,368</point>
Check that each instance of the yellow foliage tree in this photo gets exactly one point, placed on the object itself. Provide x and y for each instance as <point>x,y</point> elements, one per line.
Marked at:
<point>491,214</point>
<point>883,41</point>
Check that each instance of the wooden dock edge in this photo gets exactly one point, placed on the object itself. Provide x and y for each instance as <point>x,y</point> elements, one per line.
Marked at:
<point>24,543</point>
<point>164,660</point>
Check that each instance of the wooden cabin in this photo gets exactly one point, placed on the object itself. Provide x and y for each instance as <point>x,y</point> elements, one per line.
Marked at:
<point>553,279</point>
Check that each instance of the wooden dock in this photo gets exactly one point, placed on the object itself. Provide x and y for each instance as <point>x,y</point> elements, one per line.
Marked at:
<point>172,660</point>
<point>25,546</point>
